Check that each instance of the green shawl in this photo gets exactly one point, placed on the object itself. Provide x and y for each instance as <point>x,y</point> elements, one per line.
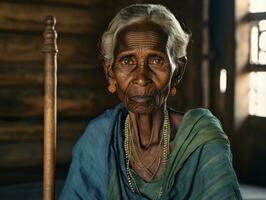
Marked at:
<point>200,146</point>
<point>199,167</point>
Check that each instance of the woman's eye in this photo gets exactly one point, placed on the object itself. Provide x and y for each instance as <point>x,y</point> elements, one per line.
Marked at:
<point>156,60</point>
<point>128,61</point>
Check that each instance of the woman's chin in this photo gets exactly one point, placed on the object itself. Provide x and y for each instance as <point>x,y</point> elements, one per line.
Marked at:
<point>142,108</point>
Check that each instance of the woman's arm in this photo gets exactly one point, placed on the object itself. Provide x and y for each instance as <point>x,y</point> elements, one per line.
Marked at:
<point>216,177</point>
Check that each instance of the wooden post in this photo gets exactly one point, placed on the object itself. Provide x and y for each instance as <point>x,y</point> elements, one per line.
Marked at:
<point>50,115</point>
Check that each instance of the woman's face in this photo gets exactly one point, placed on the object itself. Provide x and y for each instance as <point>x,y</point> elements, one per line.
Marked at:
<point>142,71</point>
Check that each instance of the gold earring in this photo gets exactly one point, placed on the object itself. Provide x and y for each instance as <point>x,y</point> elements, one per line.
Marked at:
<point>112,88</point>
<point>173,91</point>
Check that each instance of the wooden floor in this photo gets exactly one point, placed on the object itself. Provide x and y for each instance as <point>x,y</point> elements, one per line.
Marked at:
<point>251,192</point>
<point>26,191</point>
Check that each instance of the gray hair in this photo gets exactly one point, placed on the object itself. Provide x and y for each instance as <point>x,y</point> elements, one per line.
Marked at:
<point>177,38</point>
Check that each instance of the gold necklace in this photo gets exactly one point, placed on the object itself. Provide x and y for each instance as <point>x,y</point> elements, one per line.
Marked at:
<point>138,160</point>
<point>128,151</point>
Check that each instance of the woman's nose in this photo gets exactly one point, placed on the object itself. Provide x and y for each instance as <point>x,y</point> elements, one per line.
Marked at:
<point>142,75</point>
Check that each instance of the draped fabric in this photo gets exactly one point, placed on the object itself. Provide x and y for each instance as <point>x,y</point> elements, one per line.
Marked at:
<point>199,166</point>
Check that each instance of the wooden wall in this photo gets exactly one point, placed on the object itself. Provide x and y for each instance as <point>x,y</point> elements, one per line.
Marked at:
<point>82,92</point>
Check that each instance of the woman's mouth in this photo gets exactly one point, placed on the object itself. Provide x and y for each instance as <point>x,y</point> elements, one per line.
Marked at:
<point>141,99</point>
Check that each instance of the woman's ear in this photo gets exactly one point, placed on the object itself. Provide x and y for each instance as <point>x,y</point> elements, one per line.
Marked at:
<point>108,72</point>
<point>179,70</point>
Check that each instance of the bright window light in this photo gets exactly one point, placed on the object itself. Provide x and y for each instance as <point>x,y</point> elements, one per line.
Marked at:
<point>258,43</point>
<point>223,79</point>
<point>262,42</point>
<point>254,45</point>
<point>257,94</point>
<point>257,6</point>
<point>262,25</point>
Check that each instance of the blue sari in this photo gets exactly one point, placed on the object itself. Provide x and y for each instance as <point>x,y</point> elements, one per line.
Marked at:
<point>199,167</point>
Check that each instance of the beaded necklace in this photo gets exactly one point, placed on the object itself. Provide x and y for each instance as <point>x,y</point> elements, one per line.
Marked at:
<point>138,161</point>
<point>164,144</point>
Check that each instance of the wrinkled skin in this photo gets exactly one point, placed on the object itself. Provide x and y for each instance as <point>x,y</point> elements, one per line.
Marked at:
<point>142,69</point>
<point>143,74</point>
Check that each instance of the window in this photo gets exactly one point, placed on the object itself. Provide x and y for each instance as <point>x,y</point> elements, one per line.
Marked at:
<point>257,6</point>
<point>257,61</point>
<point>258,43</point>
<point>257,94</point>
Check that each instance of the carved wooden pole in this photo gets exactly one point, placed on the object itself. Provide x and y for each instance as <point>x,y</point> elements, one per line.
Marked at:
<point>50,105</point>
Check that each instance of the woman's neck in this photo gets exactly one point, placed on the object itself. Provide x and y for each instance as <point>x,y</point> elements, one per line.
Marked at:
<point>146,128</point>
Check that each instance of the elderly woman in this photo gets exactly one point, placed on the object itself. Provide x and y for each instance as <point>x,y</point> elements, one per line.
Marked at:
<point>142,149</point>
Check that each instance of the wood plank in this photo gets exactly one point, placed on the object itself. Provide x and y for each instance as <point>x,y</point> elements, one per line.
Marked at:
<point>256,67</point>
<point>11,131</point>
<point>27,48</point>
<point>90,3</point>
<point>84,2</point>
<point>72,102</point>
<point>255,16</point>
<point>26,154</point>
<point>30,17</point>
<point>71,2</point>
<point>72,75</point>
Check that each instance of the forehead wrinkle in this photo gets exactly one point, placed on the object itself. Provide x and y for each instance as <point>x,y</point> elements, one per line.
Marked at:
<point>143,39</point>
<point>147,37</point>
<point>142,51</point>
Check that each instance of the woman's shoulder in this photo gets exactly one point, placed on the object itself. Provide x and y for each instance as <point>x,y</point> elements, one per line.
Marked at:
<point>198,118</point>
<point>194,117</point>
<point>202,117</point>
<point>97,130</point>
<point>102,122</point>
<point>199,112</point>
<point>190,113</point>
